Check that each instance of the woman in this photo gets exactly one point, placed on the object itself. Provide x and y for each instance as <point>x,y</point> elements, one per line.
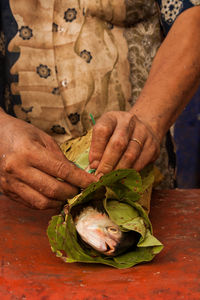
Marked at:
<point>67,61</point>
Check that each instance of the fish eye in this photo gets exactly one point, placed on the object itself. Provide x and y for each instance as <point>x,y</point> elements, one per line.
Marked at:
<point>112,229</point>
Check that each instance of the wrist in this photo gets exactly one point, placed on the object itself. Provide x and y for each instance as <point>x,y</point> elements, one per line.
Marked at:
<point>151,121</point>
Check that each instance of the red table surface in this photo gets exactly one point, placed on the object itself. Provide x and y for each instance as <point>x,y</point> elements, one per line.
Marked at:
<point>29,270</point>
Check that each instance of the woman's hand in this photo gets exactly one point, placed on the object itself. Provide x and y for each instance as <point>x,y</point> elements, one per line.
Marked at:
<point>120,140</point>
<point>31,162</point>
<point>173,80</point>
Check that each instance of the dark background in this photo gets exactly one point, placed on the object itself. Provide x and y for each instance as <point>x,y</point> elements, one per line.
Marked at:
<point>187,140</point>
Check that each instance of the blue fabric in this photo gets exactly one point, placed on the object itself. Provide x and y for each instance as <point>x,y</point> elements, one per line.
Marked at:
<point>187,127</point>
<point>9,28</point>
<point>2,79</point>
<point>187,138</point>
<point>170,10</point>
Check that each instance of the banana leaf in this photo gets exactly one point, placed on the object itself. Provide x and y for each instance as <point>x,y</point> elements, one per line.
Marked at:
<point>126,197</point>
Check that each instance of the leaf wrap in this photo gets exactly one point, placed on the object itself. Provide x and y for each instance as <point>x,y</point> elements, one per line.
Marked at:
<point>124,195</point>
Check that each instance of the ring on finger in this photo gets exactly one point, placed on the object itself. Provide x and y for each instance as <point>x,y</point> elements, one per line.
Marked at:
<point>137,141</point>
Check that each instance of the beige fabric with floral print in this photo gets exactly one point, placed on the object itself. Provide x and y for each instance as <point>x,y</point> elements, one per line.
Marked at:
<point>79,58</point>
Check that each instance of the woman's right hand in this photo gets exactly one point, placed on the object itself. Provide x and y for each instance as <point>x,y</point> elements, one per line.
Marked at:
<point>31,163</point>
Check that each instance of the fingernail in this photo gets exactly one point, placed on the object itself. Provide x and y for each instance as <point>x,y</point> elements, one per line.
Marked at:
<point>99,175</point>
<point>94,164</point>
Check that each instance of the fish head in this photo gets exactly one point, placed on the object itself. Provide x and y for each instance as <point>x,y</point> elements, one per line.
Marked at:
<point>98,231</point>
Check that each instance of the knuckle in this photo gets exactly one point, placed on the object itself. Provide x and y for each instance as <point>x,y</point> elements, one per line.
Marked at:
<point>62,170</point>
<point>51,143</point>
<point>87,181</point>
<point>132,123</point>
<point>94,155</point>
<point>84,179</point>
<point>51,193</point>
<point>25,151</point>
<point>9,164</point>
<point>119,144</point>
<point>129,156</point>
<point>139,164</point>
<point>48,189</point>
<point>101,129</point>
<point>152,148</point>
<point>3,180</point>
<point>55,192</point>
<point>106,168</point>
<point>42,205</point>
<point>143,126</point>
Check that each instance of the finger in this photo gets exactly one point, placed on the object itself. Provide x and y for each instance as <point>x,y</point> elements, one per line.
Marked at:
<point>101,134</point>
<point>115,149</point>
<point>47,185</point>
<point>130,155</point>
<point>140,136</point>
<point>148,154</point>
<point>61,168</point>
<point>26,195</point>
<point>16,198</point>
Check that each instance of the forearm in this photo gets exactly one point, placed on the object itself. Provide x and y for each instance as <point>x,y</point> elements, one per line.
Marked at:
<point>174,76</point>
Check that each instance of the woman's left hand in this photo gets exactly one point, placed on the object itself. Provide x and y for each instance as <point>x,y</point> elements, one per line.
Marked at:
<point>120,140</point>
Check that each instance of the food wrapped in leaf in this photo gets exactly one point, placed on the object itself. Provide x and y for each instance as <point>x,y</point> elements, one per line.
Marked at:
<point>108,222</point>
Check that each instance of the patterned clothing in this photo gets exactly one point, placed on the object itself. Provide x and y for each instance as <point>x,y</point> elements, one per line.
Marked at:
<point>171,9</point>
<point>64,60</point>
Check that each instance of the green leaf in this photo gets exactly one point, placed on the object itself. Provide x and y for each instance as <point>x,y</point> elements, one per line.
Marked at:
<point>113,181</point>
<point>120,212</point>
<point>125,215</point>
<point>147,176</point>
<point>132,258</point>
<point>82,161</point>
<point>137,225</point>
<point>149,241</point>
<point>53,232</point>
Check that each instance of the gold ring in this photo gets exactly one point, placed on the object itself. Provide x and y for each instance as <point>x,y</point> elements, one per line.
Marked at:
<point>137,141</point>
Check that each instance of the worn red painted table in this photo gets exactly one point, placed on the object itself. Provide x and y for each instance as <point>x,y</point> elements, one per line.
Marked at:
<point>29,270</point>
